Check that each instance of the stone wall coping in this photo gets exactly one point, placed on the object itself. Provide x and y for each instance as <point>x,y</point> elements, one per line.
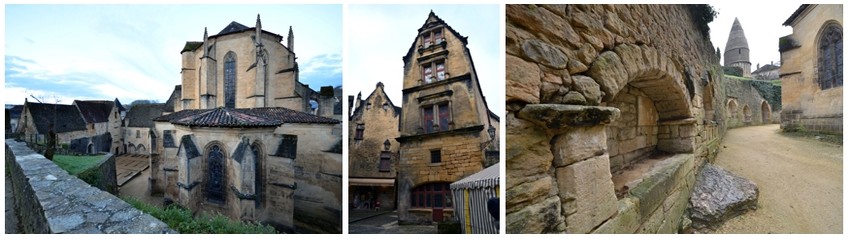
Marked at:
<point>678,122</point>
<point>558,116</point>
<point>73,206</point>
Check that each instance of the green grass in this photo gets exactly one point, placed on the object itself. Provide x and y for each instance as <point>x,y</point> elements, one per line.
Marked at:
<point>181,220</point>
<point>737,77</point>
<point>76,164</point>
<point>776,82</point>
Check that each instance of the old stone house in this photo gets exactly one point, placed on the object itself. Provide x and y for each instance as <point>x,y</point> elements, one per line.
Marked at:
<point>241,142</point>
<point>14,115</point>
<point>373,151</point>
<point>445,125</point>
<point>85,127</point>
<point>766,72</point>
<point>812,69</point>
<point>138,126</point>
<point>612,112</point>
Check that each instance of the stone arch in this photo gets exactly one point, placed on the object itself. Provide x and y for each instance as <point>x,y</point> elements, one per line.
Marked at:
<point>748,115</point>
<point>215,176</point>
<point>258,150</point>
<point>141,149</point>
<point>830,54</point>
<point>765,112</point>
<point>131,148</point>
<point>653,101</point>
<point>90,148</point>
<point>732,107</point>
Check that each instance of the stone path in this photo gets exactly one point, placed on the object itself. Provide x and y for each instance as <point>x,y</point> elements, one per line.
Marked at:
<point>799,180</point>
<point>387,223</point>
<point>137,187</point>
<point>128,166</point>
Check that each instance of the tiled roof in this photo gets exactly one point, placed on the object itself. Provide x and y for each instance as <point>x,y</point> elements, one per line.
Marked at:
<point>15,111</point>
<point>191,46</point>
<point>795,14</point>
<point>239,118</point>
<point>766,68</point>
<point>67,117</point>
<point>142,115</point>
<point>95,111</point>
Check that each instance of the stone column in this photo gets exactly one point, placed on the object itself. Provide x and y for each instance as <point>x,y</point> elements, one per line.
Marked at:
<point>579,166</point>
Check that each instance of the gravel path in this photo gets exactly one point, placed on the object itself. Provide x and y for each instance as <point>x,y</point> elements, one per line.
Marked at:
<point>799,180</point>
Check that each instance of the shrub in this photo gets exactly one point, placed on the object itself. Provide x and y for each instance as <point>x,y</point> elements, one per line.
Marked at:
<point>181,220</point>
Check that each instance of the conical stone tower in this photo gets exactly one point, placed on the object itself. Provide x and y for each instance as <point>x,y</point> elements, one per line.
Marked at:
<point>737,52</point>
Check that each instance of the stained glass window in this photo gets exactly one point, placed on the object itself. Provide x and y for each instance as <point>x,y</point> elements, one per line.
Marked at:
<point>830,58</point>
<point>230,80</point>
<point>215,175</point>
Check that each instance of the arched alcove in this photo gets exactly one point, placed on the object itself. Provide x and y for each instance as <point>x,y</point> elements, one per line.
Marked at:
<point>765,112</point>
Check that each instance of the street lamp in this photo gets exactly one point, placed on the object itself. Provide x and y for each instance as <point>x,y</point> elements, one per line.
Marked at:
<point>387,145</point>
<point>492,132</point>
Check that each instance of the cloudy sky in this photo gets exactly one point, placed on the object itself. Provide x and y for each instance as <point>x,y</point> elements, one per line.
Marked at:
<point>132,52</point>
<point>762,24</point>
<point>379,35</point>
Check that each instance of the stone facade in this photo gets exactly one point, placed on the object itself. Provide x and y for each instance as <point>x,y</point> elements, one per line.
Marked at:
<point>373,151</point>
<point>444,122</point>
<point>245,141</point>
<point>612,109</point>
<point>812,90</point>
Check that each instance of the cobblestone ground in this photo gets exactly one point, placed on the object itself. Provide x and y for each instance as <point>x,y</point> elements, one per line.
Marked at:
<point>799,180</point>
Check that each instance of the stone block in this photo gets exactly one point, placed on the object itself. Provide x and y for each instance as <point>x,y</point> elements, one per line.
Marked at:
<point>528,193</point>
<point>543,217</point>
<point>522,80</point>
<point>626,221</point>
<point>557,117</point>
<point>720,195</point>
<point>609,73</point>
<point>578,144</point>
<point>588,88</point>
<point>529,153</point>
<point>632,59</point>
<point>545,54</point>
<point>586,188</point>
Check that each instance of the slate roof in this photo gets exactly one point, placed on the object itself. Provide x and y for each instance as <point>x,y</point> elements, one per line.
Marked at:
<point>95,111</point>
<point>242,118</point>
<point>15,111</point>
<point>191,46</point>
<point>120,106</point>
<point>766,68</point>
<point>142,115</point>
<point>232,27</point>
<point>67,119</point>
<point>795,14</point>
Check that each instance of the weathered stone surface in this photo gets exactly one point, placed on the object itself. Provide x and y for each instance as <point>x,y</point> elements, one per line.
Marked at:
<point>586,54</point>
<point>527,193</point>
<point>626,221</point>
<point>574,98</point>
<point>609,73</point>
<point>588,88</point>
<point>549,92</point>
<point>544,53</point>
<point>561,116</point>
<point>576,66</point>
<point>529,153</point>
<point>587,193</point>
<point>523,78</point>
<point>632,59</point>
<point>578,144</point>
<point>544,217</point>
<point>720,195</point>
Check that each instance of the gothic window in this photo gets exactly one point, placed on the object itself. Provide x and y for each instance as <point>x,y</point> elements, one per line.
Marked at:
<point>258,178</point>
<point>137,134</point>
<point>830,57</point>
<point>358,133</point>
<point>230,80</point>
<point>215,187</point>
<point>435,156</point>
<point>432,195</point>
<point>385,164</point>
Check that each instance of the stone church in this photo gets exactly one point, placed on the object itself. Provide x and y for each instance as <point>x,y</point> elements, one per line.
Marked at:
<point>241,142</point>
<point>446,128</point>
<point>812,69</point>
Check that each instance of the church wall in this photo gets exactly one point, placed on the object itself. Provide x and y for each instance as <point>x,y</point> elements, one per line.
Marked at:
<point>318,173</point>
<point>380,125</point>
<point>804,104</point>
<point>190,74</point>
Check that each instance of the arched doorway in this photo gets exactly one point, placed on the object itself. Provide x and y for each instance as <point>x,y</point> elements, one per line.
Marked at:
<point>90,149</point>
<point>765,113</point>
<point>141,149</point>
<point>732,107</point>
<point>748,115</point>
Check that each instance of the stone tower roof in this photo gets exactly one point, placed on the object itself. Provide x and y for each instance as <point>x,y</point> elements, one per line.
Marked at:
<point>737,49</point>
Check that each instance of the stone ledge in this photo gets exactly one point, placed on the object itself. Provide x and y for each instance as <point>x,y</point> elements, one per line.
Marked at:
<point>69,204</point>
<point>556,116</point>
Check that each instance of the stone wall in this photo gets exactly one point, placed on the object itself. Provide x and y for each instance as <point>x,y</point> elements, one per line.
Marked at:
<point>804,104</point>
<point>746,93</point>
<point>103,175</point>
<point>48,200</point>
<point>591,88</point>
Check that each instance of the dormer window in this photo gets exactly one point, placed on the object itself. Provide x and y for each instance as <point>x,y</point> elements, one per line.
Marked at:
<point>432,37</point>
